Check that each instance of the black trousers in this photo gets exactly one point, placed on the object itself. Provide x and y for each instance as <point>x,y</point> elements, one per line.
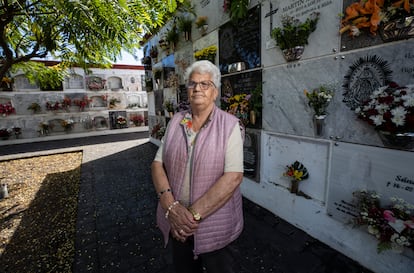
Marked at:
<point>218,261</point>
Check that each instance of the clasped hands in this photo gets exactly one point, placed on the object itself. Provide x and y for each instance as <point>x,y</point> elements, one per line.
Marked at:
<point>182,223</point>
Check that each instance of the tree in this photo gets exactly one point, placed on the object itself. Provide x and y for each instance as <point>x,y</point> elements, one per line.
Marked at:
<point>80,32</point>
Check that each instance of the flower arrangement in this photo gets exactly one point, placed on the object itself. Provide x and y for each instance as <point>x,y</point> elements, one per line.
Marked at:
<point>113,102</point>
<point>319,99</point>
<point>296,171</point>
<point>5,133</point>
<point>53,106</point>
<point>120,120</point>
<point>172,81</point>
<point>392,225</point>
<point>154,52</point>
<point>201,21</point>
<point>172,36</point>
<point>82,103</point>
<point>237,105</point>
<point>389,109</point>
<point>169,106</point>
<point>137,119</point>
<point>158,131</point>
<point>294,32</point>
<point>67,124</point>
<point>207,53</point>
<point>35,107</point>
<point>44,125</point>
<point>66,103</point>
<point>369,14</point>
<point>184,25</point>
<point>7,109</point>
<point>6,83</point>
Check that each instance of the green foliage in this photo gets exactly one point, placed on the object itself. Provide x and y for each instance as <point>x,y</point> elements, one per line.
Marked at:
<point>81,32</point>
<point>172,35</point>
<point>238,9</point>
<point>48,77</point>
<point>184,24</point>
<point>256,99</point>
<point>293,32</point>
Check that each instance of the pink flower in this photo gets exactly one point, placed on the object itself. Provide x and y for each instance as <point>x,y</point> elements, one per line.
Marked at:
<point>389,216</point>
<point>409,224</point>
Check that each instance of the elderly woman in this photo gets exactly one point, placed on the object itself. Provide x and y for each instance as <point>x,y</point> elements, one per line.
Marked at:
<point>196,173</point>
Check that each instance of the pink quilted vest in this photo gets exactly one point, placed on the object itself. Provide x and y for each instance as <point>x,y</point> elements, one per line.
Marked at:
<point>225,225</point>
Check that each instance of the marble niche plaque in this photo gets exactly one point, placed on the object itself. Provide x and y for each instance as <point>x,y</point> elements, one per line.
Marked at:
<point>251,154</point>
<point>355,167</point>
<point>240,42</point>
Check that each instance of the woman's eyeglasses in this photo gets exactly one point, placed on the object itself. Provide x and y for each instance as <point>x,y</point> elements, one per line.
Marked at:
<point>204,85</point>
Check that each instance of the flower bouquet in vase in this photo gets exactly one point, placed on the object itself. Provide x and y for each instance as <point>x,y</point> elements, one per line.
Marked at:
<point>297,172</point>
<point>319,99</point>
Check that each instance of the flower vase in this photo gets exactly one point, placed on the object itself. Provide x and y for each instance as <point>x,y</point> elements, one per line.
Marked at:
<point>318,122</point>
<point>203,29</point>
<point>397,140</point>
<point>294,53</point>
<point>171,114</point>
<point>253,117</point>
<point>294,186</point>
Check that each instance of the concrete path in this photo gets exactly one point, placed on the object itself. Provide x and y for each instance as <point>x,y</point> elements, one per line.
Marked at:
<point>116,229</point>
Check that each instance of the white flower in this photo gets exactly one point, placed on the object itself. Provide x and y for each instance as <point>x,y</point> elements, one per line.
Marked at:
<point>373,230</point>
<point>408,100</point>
<point>355,31</point>
<point>381,108</point>
<point>398,116</point>
<point>378,119</point>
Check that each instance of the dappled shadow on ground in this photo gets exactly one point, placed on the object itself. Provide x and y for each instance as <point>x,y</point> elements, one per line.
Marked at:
<point>44,239</point>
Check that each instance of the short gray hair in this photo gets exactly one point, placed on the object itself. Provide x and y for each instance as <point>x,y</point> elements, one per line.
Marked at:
<point>204,67</point>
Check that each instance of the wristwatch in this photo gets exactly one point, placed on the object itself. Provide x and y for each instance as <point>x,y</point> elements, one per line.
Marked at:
<point>196,215</point>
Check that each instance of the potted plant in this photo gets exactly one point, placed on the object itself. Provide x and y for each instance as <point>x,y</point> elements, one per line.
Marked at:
<point>169,106</point>
<point>201,24</point>
<point>393,19</point>
<point>184,25</point>
<point>34,107</point>
<point>172,37</point>
<point>292,37</point>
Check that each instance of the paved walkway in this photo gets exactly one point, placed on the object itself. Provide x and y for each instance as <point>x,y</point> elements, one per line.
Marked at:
<point>116,229</point>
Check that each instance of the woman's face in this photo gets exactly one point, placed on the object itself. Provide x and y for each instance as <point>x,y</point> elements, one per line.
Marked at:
<point>201,90</point>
